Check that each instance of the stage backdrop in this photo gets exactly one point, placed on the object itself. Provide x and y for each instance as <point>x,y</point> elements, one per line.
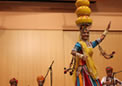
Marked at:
<point>29,42</point>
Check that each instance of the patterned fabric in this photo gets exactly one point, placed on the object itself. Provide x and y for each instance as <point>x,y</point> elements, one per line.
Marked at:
<point>85,73</point>
<point>84,79</point>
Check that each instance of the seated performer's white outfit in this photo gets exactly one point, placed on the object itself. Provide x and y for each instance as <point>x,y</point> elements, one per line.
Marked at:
<point>116,81</point>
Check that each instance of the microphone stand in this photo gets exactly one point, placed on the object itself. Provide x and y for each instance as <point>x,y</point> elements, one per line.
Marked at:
<point>50,69</point>
<point>114,75</point>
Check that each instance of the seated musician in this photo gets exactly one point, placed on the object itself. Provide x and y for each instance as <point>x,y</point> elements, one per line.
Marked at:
<point>109,80</point>
<point>13,82</point>
<point>40,80</point>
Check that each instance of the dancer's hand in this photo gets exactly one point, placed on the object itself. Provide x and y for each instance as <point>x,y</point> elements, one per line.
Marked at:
<point>79,55</point>
<point>106,30</point>
<point>84,57</point>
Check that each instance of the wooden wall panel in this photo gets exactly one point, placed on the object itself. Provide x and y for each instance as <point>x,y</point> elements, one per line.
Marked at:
<point>56,21</point>
<point>111,42</point>
<point>26,54</point>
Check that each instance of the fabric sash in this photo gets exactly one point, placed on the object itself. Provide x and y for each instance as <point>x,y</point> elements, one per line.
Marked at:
<point>89,62</point>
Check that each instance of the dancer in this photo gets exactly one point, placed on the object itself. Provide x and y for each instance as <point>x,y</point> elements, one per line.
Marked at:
<point>85,72</point>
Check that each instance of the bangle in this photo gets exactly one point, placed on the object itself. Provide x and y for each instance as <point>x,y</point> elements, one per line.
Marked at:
<point>79,55</point>
<point>105,32</point>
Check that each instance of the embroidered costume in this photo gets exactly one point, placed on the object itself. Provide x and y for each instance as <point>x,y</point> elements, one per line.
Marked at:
<point>85,73</point>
